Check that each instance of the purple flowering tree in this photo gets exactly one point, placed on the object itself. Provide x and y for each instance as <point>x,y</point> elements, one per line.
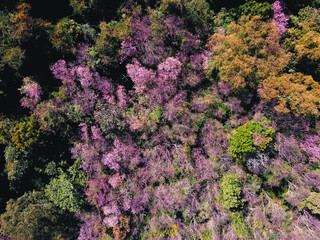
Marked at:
<point>311,145</point>
<point>32,93</point>
<point>280,19</point>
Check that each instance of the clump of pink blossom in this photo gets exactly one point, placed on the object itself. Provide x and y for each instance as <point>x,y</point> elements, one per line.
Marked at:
<point>312,147</point>
<point>32,93</point>
<point>279,17</point>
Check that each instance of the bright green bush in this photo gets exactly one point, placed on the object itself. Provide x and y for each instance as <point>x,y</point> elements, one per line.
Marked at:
<point>241,229</point>
<point>249,137</point>
<point>62,192</point>
<point>156,114</point>
<point>231,192</point>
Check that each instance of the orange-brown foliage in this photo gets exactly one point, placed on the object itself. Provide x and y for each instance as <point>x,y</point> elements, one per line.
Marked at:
<point>248,53</point>
<point>295,92</point>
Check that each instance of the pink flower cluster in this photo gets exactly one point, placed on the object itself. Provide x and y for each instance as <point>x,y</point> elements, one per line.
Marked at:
<point>312,147</point>
<point>279,17</point>
<point>32,93</point>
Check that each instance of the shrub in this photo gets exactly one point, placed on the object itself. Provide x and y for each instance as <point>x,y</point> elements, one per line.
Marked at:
<point>81,6</point>
<point>241,229</point>
<point>17,162</point>
<point>313,203</point>
<point>65,35</point>
<point>25,133</point>
<point>33,217</point>
<point>249,137</point>
<point>252,8</point>
<point>66,191</point>
<point>231,192</point>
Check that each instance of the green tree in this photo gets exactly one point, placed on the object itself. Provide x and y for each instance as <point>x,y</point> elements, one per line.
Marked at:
<point>238,225</point>
<point>196,12</point>
<point>66,191</point>
<point>65,35</point>
<point>17,162</point>
<point>108,41</point>
<point>313,203</point>
<point>231,192</point>
<point>5,125</point>
<point>248,138</point>
<point>303,39</point>
<point>10,51</point>
<point>25,133</point>
<point>252,8</point>
<point>81,6</point>
<point>17,28</point>
<point>32,217</point>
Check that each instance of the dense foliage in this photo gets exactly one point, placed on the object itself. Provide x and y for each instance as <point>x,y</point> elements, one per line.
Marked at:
<point>164,119</point>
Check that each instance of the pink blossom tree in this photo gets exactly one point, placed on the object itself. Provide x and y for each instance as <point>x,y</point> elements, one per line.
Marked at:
<point>32,93</point>
<point>279,17</point>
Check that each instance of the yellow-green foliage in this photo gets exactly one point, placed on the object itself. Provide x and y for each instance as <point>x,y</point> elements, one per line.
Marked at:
<point>252,8</point>
<point>108,41</point>
<point>275,176</point>
<point>241,229</point>
<point>11,53</point>
<point>313,203</point>
<point>80,6</point>
<point>163,233</point>
<point>113,30</point>
<point>13,57</point>
<point>231,192</point>
<point>5,125</point>
<point>207,235</point>
<point>65,35</point>
<point>170,5</point>
<point>198,12</point>
<point>17,161</point>
<point>249,137</point>
<point>304,38</point>
<point>156,22</point>
<point>66,191</point>
<point>156,114</point>
<point>26,133</point>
